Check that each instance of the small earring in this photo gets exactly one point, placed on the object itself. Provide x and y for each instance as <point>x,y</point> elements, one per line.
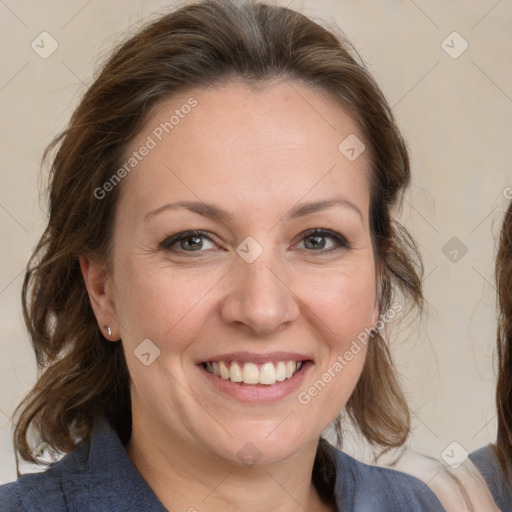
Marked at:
<point>109,330</point>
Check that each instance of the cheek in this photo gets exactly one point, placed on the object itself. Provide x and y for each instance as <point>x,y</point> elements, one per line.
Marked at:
<point>154,301</point>
<point>344,303</point>
<point>344,307</point>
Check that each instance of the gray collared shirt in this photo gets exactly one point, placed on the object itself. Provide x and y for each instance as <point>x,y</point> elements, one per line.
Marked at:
<point>99,476</point>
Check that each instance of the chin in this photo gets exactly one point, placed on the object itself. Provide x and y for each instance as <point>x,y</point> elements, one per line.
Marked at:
<point>263,448</point>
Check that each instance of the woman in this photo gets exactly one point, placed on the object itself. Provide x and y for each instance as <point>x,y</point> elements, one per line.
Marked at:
<point>494,461</point>
<point>218,266</point>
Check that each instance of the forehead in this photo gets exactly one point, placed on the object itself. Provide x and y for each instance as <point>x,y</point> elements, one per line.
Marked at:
<point>240,143</point>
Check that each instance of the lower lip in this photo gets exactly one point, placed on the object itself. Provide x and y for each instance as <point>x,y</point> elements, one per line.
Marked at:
<point>258,393</point>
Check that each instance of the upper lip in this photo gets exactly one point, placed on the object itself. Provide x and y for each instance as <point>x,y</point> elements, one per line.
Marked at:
<point>251,357</point>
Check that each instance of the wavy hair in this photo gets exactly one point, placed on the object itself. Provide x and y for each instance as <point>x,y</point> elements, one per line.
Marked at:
<point>207,43</point>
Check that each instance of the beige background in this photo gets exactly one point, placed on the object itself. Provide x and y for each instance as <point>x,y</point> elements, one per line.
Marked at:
<point>455,113</point>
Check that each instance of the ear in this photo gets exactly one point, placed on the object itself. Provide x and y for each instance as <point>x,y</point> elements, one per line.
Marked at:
<point>99,287</point>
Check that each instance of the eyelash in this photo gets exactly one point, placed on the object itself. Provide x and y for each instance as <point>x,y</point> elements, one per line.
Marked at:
<point>340,241</point>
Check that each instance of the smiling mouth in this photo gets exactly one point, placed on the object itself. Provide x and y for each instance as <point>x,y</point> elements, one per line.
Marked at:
<point>251,373</point>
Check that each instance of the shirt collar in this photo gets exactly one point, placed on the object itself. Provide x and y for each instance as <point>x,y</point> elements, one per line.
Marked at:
<point>106,475</point>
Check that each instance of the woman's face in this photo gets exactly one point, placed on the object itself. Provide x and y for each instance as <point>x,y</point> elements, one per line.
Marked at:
<point>255,293</point>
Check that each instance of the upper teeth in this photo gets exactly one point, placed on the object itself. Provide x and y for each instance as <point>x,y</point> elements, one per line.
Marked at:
<point>250,373</point>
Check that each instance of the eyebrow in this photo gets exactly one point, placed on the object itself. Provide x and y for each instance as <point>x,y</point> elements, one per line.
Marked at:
<point>219,214</point>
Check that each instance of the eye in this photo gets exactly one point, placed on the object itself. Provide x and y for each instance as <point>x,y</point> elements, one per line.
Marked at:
<point>316,239</point>
<point>187,241</point>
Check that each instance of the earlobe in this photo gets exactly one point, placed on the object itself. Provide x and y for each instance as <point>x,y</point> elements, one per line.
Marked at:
<point>98,283</point>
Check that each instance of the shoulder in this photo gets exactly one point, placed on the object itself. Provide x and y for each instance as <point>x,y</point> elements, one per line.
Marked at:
<point>458,487</point>
<point>9,498</point>
<point>486,461</point>
<point>362,486</point>
<point>45,490</point>
<point>97,475</point>
<point>31,491</point>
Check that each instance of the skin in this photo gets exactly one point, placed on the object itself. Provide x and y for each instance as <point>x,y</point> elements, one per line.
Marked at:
<point>256,153</point>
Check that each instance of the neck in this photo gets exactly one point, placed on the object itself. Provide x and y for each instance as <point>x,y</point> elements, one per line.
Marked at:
<point>185,478</point>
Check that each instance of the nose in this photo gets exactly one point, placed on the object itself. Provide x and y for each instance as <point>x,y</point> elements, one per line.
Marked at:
<point>260,297</point>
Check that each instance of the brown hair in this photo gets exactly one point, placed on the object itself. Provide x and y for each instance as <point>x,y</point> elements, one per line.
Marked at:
<point>504,345</point>
<point>199,45</point>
